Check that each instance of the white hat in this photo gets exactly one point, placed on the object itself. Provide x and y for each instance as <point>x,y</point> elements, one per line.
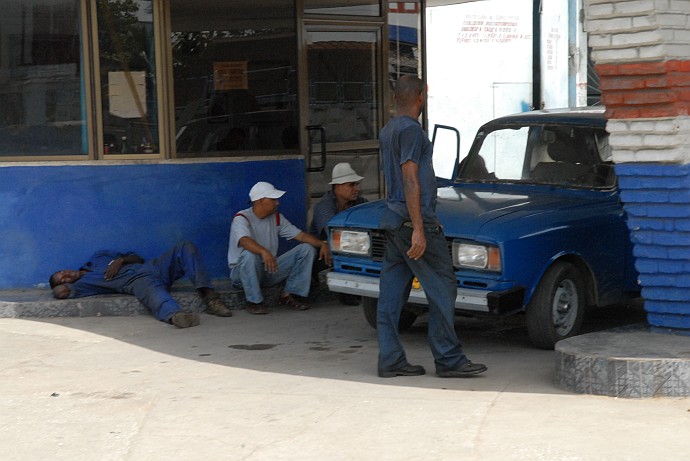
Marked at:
<point>264,190</point>
<point>343,173</point>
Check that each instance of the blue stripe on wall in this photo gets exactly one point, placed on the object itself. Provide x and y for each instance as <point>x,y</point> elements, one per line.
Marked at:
<point>55,217</point>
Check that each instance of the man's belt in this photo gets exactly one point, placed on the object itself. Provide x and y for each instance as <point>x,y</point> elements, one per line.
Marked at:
<point>431,228</point>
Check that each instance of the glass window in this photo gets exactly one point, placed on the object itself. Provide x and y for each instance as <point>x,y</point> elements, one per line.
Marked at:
<point>41,83</point>
<point>343,83</point>
<point>235,76</point>
<point>404,33</point>
<point>404,46</point>
<point>128,76</point>
<point>343,7</point>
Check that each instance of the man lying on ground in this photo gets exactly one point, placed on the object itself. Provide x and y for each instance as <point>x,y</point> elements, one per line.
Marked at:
<point>109,272</point>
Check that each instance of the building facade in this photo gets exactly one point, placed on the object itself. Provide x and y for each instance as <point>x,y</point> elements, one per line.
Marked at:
<point>131,124</point>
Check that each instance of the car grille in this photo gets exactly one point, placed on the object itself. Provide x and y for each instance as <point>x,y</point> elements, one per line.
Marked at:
<point>378,245</point>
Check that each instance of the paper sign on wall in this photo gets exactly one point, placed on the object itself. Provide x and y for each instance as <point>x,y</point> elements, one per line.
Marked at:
<point>127,94</point>
<point>230,75</point>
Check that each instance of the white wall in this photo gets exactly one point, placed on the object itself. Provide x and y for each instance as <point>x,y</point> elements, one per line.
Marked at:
<point>479,63</point>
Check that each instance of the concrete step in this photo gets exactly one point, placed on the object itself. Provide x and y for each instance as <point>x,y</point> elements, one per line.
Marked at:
<point>635,361</point>
<point>39,302</point>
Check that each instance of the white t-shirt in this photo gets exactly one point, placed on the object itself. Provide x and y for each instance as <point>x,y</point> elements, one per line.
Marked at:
<point>264,231</point>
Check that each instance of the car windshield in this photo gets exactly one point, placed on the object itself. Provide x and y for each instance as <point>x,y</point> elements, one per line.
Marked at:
<point>558,155</point>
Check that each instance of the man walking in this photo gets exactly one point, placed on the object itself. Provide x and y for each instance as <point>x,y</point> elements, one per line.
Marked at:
<point>416,246</point>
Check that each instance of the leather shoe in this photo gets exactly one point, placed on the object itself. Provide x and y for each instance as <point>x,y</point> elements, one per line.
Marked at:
<point>463,371</point>
<point>407,370</point>
<point>256,308</point>
<point>292,303</point>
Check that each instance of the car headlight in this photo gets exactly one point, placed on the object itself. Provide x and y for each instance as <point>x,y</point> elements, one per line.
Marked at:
<point>350,242</point>
<point>476,256</point>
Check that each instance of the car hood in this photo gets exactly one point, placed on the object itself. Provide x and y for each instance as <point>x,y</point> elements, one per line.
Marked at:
<point>467,209</point>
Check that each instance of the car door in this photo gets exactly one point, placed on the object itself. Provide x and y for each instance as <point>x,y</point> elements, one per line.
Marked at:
<point>446,141</point>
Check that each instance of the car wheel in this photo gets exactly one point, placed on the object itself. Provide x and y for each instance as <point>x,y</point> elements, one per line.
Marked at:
<point>407,317</point>
<point>557,307</point>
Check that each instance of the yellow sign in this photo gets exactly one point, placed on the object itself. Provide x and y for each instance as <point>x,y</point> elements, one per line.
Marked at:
<point>230,75</point>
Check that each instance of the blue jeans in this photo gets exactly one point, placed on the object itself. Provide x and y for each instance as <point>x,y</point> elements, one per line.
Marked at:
<point>435,273</point>
<point>294,266</point>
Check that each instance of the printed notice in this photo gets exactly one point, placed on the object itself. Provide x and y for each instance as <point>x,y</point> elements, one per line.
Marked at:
<point>479,28</point>
<point>230,75</point>
<point>127,94</point>
<point>552,39</point>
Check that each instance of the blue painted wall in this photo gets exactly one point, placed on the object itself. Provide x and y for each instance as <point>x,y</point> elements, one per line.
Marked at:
<point>55,217</point>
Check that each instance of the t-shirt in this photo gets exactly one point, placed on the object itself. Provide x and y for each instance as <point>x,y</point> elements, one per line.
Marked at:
<point>264,231</point>
<point>402,140</point>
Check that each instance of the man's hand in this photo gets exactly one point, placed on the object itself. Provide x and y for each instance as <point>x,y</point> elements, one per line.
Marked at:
<point>324,251</point>
<point>116,264</point>
<point>270,262</point>
<point>418,246</point>
<point>113,268</point>
<point>325,254</point>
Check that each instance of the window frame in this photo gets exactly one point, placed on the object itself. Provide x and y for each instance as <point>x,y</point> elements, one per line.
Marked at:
<point>158,22</point>
<point>86,68</point>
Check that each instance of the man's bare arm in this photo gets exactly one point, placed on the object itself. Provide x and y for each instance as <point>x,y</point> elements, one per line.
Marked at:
<point>249,244</point>
<point>324,251</point>
<point>410,173</point>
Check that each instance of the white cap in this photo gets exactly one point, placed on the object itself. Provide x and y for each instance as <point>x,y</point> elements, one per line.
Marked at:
<point>343,173</point>
<point>264,190</point>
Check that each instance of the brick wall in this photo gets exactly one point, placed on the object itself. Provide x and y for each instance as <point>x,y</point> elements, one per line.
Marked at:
<point>641,49</point>
<point>656,198</point>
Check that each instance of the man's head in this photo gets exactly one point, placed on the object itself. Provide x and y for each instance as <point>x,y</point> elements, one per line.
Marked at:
<point>59,279</point>
<point>345,182</point>
<point>264,198</point>
<point>410,94</point>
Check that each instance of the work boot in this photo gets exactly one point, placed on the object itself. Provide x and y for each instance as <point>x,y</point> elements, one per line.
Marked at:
<point>185,319</point>
<point>216,306</point>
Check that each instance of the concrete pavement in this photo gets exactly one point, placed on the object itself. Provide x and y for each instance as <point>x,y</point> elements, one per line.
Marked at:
<point>302,386</point>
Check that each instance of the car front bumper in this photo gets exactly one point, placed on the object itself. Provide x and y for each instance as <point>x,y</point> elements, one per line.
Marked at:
<point>471,300</point>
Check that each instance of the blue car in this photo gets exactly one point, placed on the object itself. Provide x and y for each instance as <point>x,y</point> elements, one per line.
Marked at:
<point>534,224</point>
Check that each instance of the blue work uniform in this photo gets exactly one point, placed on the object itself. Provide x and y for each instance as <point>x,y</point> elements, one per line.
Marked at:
<point>150,282</point>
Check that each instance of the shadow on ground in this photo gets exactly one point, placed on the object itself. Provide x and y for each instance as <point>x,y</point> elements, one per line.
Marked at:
<point>333,341</point>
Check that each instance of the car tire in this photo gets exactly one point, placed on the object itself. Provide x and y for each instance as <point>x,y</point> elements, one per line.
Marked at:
<point>407,318</point>
<point>557,307</point>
